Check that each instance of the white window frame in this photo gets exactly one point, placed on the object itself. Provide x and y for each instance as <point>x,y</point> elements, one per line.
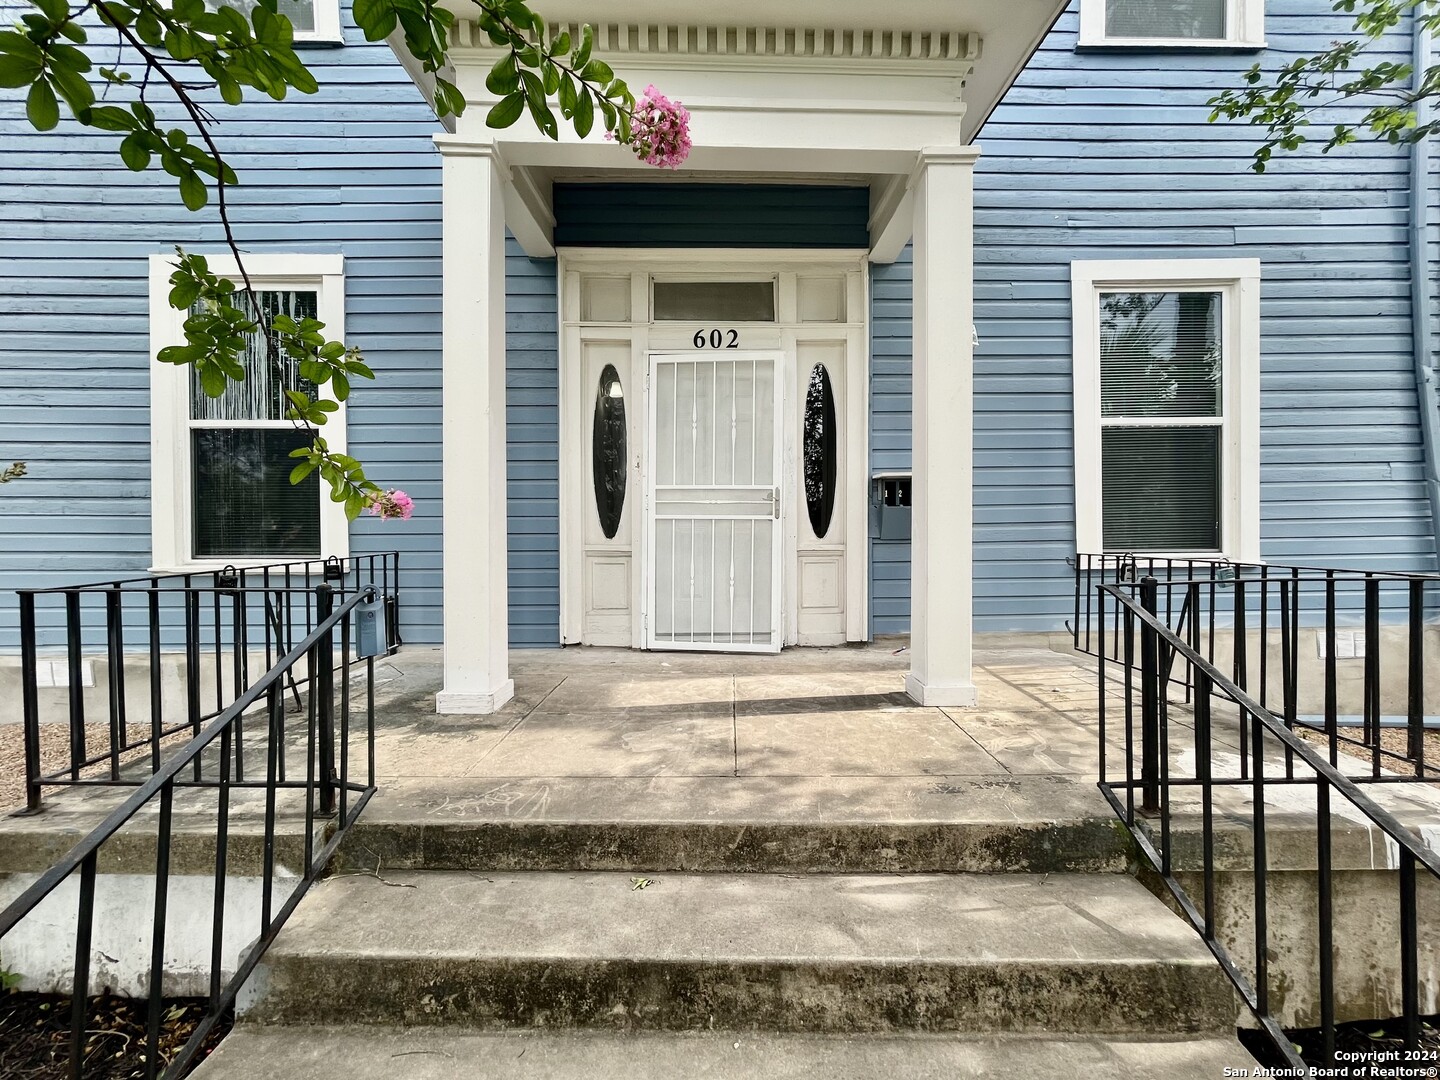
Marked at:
<point>1244,29</point>
<point>328,30</point>
<point>170,495</point>
<point>1238,282</point>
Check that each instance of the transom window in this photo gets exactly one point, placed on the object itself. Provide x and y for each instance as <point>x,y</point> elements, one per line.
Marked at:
<point>221,466</point>
<point>1173,23</point>
<point>1166,406</point>
<point>714,301</point>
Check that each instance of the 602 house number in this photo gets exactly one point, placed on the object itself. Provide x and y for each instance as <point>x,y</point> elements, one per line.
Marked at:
<point>716,339</point>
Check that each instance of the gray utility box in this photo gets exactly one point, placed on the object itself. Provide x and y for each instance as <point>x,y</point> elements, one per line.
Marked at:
<point>370,635</point>
<point>890,506</point>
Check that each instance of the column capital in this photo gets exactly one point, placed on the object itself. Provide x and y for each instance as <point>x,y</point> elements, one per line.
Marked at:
<point>459,146</point>
<point>930,157</point>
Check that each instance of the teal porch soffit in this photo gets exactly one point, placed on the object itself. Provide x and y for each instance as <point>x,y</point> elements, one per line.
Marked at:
<point>711,215</point>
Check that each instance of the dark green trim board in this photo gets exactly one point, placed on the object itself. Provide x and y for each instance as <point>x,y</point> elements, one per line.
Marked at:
<point>711,215</point>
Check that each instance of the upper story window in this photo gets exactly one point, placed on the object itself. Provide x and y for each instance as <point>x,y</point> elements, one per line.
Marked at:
<point>220,467</point>
<point>1233,24</point>
<point>316,21</point>
<point>1166,370</point>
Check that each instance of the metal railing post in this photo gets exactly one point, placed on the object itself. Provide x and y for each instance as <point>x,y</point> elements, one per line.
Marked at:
<point>324,691</point>
<point>30,697</point>
<point>1150,690</point>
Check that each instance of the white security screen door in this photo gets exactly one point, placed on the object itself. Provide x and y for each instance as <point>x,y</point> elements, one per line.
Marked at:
<point>714,575</point>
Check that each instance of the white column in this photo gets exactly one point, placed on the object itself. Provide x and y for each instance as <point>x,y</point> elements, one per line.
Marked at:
<point>477,663</point>
<point>942,562</point>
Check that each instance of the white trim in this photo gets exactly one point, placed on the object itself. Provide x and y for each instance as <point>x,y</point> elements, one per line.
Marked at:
<point>170,424</point>
<point>328,30</point>
<point>646,337</point>
<point>1244,26</point>
<point>1238,280</point>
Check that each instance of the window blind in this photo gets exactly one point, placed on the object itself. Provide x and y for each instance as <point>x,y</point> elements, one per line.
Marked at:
<point>260,396</point>
<point>243,501</point>
<point>1200,20</point>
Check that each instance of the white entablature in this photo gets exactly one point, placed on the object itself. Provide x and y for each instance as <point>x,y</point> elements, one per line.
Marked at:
<point>841,89</point>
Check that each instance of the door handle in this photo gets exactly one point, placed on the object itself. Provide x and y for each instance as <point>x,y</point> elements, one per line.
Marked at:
<point>774,496</point>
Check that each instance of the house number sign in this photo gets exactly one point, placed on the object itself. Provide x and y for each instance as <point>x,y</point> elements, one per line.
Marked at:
<point>716,339</point>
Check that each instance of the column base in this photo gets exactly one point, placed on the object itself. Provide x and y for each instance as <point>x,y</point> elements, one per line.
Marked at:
<point>942,695</point>
<point>473,703</point>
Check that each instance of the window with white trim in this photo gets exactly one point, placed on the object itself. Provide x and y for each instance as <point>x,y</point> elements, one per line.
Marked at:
<point>1234,24</point>
<point>1166,379</point>
<point>220,467</point>
<point>315,21</point>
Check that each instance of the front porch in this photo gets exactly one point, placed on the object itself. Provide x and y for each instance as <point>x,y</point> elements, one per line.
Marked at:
<point>693,723</point>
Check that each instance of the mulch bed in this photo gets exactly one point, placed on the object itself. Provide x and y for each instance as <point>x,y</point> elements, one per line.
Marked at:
<point>1362,1049</point>
<point>35,1036</point>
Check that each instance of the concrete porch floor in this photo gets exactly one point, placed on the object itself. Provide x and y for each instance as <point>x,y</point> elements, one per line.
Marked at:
<point>817,712</point>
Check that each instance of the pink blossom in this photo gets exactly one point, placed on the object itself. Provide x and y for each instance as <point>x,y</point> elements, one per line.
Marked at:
<point>660,130</point>
<point>393,504</point>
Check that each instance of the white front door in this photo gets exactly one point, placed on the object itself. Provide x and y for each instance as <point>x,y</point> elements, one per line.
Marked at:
<point>714,575</point>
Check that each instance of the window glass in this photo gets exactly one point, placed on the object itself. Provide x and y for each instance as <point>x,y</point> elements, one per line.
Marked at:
<point>1202,20</point>
<point>1161,360</point>
<point>301,13</point>
<point>820,450</point>
<point>608,451</point>
<point>1161,488</point>
<point>242,498</point>
<point>1160,354</point>
<point>715,301</point>
<point>261,395</point>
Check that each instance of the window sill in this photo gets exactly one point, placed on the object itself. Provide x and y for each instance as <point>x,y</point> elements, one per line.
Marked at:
<point>319,42</point>
<point>1161,45</point>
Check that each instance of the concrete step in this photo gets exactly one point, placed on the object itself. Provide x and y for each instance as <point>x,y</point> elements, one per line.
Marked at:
<point>305,1053</point>
<point>1090,953</point>
<point>889,824</point>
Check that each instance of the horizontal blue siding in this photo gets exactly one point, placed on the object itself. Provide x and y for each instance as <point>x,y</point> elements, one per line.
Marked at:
<point>711,215</point>
<point>1110,156</point>
<point>532,406</point>
<point>351,169</point>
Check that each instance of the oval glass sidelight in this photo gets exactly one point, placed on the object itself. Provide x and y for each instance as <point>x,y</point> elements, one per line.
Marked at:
<point>820,452</point>
<point>607,457</point>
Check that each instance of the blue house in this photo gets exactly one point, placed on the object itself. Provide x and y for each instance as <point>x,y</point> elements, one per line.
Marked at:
<point>838,377</point>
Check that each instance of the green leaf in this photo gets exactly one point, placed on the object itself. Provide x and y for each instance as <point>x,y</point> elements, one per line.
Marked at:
<point>567,97</point>
<point>581,56</point>
<point>503,78</point>
<point>135,151</point>
<point>506,111</point>
<point>41,106</point>
<point>111,118</point>
<point>584,114</point>
<point>16,71</point>
<point>192,190</point>
<point>304,469</point>
<point>376,18</point>
<point>597,71</point>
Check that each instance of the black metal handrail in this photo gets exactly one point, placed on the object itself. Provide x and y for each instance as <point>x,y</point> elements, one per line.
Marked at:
<point>1249,617</point>
<point>212,621</point>
<point>328,790</point>
<point>1157,782</point>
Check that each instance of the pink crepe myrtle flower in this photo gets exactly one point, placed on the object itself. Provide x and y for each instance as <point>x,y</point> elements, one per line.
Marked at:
<point>393,503</point>
<point>659,130</point>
